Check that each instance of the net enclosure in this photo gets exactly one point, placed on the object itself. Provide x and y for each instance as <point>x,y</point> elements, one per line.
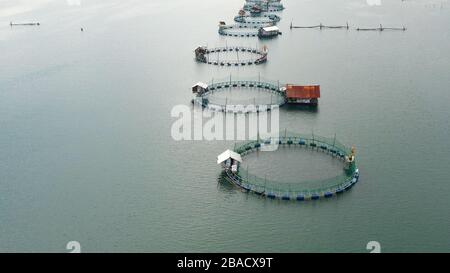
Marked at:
<point>300,190</point>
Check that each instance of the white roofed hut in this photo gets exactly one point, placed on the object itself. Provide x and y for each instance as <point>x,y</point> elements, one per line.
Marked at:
<point>229,160</point>
<point>199,88</point>
<point>268,32</point>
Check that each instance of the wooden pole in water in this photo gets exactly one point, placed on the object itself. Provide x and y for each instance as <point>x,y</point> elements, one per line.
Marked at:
<point>334,141</point>
<point>265,182</point>
<point>247,173</point>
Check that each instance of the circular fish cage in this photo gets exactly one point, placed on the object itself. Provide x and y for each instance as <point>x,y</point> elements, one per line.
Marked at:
<point>270,95</point>
<point>259,6</point>
<point>241,56</point>
<point>239,30</point>
<point>299,191</point>
<point>260,1</point>
<point>263,19</point>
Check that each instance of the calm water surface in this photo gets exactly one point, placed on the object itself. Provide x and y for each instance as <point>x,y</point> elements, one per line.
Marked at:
<point>86,152</point>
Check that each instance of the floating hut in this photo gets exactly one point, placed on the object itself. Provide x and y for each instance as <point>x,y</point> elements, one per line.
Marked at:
<point>229,160</point>
<point>255,10</point>
<point>350,161</point>
<point>199,88</point>
<point>200,53</point>
<point>298,94</point>
<point>268,32</point>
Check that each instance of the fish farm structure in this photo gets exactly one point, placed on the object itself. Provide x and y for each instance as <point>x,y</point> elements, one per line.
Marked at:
<point>347,27</point>
<point>381,28</point>
<point>231,161</point>
<point>322,26</point>
<point>258,6</point>
<point>24,24</point>
<point>256,23</point>
<point>276,95</point>
<point>248,30</point>
<point>259,20</point>
<point>204,96</point>
<point>238,30</point>
<point>251,55</point>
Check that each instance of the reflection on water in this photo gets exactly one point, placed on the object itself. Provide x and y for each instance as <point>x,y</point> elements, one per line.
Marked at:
<point>302,108</point>
<point>224,184</point>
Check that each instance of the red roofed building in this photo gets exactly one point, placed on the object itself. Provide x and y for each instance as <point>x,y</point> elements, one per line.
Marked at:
<point>303,94</point>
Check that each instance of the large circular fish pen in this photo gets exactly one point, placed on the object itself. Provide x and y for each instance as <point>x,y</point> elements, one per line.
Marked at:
<point>263,19</point>
<point>240,96</point>
<point>300,189</point>
<point>239,30</point>
<point>231,56</point>
<point>263,6</point>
